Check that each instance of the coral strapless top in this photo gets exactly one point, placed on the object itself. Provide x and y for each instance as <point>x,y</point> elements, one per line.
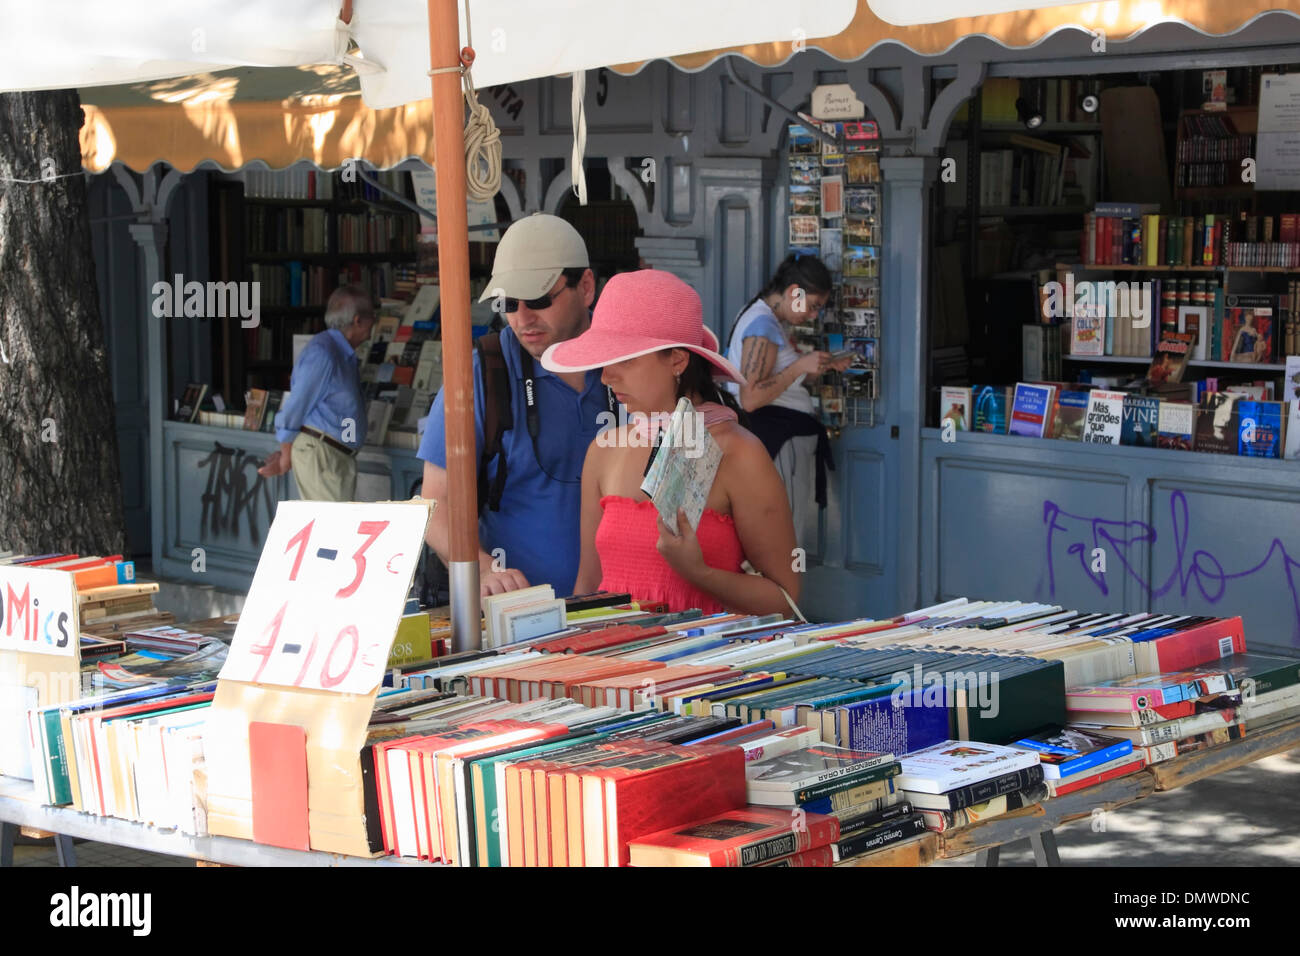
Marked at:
<point>629,561</point>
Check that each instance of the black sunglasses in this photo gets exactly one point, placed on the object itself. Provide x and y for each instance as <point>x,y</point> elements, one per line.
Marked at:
<point>571,276</point>
<point>536,305</point>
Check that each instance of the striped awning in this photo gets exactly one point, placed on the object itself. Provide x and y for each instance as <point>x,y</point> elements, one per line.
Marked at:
<point>282,115</point>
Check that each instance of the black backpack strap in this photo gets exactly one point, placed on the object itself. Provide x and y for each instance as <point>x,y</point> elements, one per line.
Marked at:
<point>497,418</point>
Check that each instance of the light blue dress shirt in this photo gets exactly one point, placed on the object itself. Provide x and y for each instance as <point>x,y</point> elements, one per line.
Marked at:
<point>325,392</point>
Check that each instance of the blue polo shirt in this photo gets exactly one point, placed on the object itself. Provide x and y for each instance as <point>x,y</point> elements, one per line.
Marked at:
<point>538,524</point>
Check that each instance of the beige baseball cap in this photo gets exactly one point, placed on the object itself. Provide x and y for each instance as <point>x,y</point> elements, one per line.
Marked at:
<point>532,254</point>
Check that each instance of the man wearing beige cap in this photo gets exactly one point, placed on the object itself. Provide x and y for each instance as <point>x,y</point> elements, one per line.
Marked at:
<point>530,491</point>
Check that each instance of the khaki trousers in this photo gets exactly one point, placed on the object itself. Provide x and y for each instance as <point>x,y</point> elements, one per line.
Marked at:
<point>323,473</point>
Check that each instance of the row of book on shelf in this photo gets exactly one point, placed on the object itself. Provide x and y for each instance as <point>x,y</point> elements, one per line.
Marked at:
<point>297,284</point>
<point>1241,328</point>
<point>311,184</point>
<point>633,736</point>
<point>1222,422</point>
<point>1137,234</point>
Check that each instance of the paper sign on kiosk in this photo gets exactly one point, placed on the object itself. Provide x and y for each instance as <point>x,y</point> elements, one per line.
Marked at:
<point>327,596</point>
<point>309,652</point>
<point>40,654</point>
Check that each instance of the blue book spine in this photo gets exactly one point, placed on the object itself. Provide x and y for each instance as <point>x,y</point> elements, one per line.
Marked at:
<point>1152,634</point>
<point>824,804</point>
<point>723,642</point>
<point>886,725</point>
<point>1105,755</point>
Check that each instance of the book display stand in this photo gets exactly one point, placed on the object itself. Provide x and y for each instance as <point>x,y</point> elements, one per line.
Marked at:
<point>836,213</point>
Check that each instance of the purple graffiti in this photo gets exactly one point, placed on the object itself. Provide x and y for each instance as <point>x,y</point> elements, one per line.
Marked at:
<point>1200,570</point>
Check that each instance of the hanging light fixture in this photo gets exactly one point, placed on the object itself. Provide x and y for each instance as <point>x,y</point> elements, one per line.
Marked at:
<point>1029,106</point>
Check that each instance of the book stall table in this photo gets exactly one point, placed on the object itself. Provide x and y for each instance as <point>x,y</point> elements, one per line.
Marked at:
<point>18,808</point>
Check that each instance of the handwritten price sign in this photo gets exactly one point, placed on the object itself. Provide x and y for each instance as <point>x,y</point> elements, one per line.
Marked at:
<point>38,611</point>
<point>328,594</point>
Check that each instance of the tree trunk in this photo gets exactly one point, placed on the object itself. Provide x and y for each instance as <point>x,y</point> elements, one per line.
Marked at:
<point>60,488</point>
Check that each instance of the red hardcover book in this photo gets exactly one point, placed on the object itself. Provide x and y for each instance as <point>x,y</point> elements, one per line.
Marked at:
<point>639,803</point>
<point>1198,645</point>
<point>746,836</point>
<point>735,734</point>
<point>387,804</point>
<point>57,559</point>
<point>90,563</point>
<point>821,856</point>
<point>596,640</point>
<point>277,756</point>
<point>1139,761</point>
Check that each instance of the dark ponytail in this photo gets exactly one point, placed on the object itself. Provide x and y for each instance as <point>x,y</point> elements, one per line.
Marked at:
<point>697,379</point>
<point>807,272</point>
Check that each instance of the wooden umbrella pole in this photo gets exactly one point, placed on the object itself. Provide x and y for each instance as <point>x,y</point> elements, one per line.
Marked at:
<point>453,276</point>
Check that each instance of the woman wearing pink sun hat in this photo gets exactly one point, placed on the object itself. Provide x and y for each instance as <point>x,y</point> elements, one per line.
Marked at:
<point>647,334</point>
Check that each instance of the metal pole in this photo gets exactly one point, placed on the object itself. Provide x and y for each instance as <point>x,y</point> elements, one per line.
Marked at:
<point>453,276</point>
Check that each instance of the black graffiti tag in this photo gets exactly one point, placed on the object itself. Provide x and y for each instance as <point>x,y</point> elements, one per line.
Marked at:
<point>229,495</point>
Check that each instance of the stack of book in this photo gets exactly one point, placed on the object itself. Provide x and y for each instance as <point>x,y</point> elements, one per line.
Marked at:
<point>854,788</point>
<point>958,782</point>
<point>1074,758</point>
<point>1180,712</point>
<point>746,836</point>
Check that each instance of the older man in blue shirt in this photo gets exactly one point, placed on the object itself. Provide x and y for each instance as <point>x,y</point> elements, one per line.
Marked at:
<point>541,280</point>
<point>323,424</point>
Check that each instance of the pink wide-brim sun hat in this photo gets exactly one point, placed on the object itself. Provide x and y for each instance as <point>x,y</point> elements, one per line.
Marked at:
<point>638,313</point>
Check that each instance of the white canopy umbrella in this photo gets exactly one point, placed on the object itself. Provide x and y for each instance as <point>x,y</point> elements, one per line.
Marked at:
<point>57,44</point>
<point>401,45</point>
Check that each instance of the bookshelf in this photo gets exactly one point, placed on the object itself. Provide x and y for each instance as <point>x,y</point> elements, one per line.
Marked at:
<point>299,234</point>
<point>1145,359</point>
<point>1208,151</point>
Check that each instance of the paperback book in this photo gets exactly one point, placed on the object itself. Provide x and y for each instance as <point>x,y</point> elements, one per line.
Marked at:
<point>1140,421</point>
<point>1175,425</point>
<point>1105,418</point>
<point>1066,751</point>
<point>1070,413</point>
<point>1031,409</point>
<point>992,405</point>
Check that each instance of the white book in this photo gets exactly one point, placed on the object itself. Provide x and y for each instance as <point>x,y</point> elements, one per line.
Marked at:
<point>954,406</point>
<point>495,604</point>
<point>781,742</point>
<point>810,766</point>
<point>1105,418</point>
<point>404,824</point>
<point>1291,395</point>
<point>959,763</point>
